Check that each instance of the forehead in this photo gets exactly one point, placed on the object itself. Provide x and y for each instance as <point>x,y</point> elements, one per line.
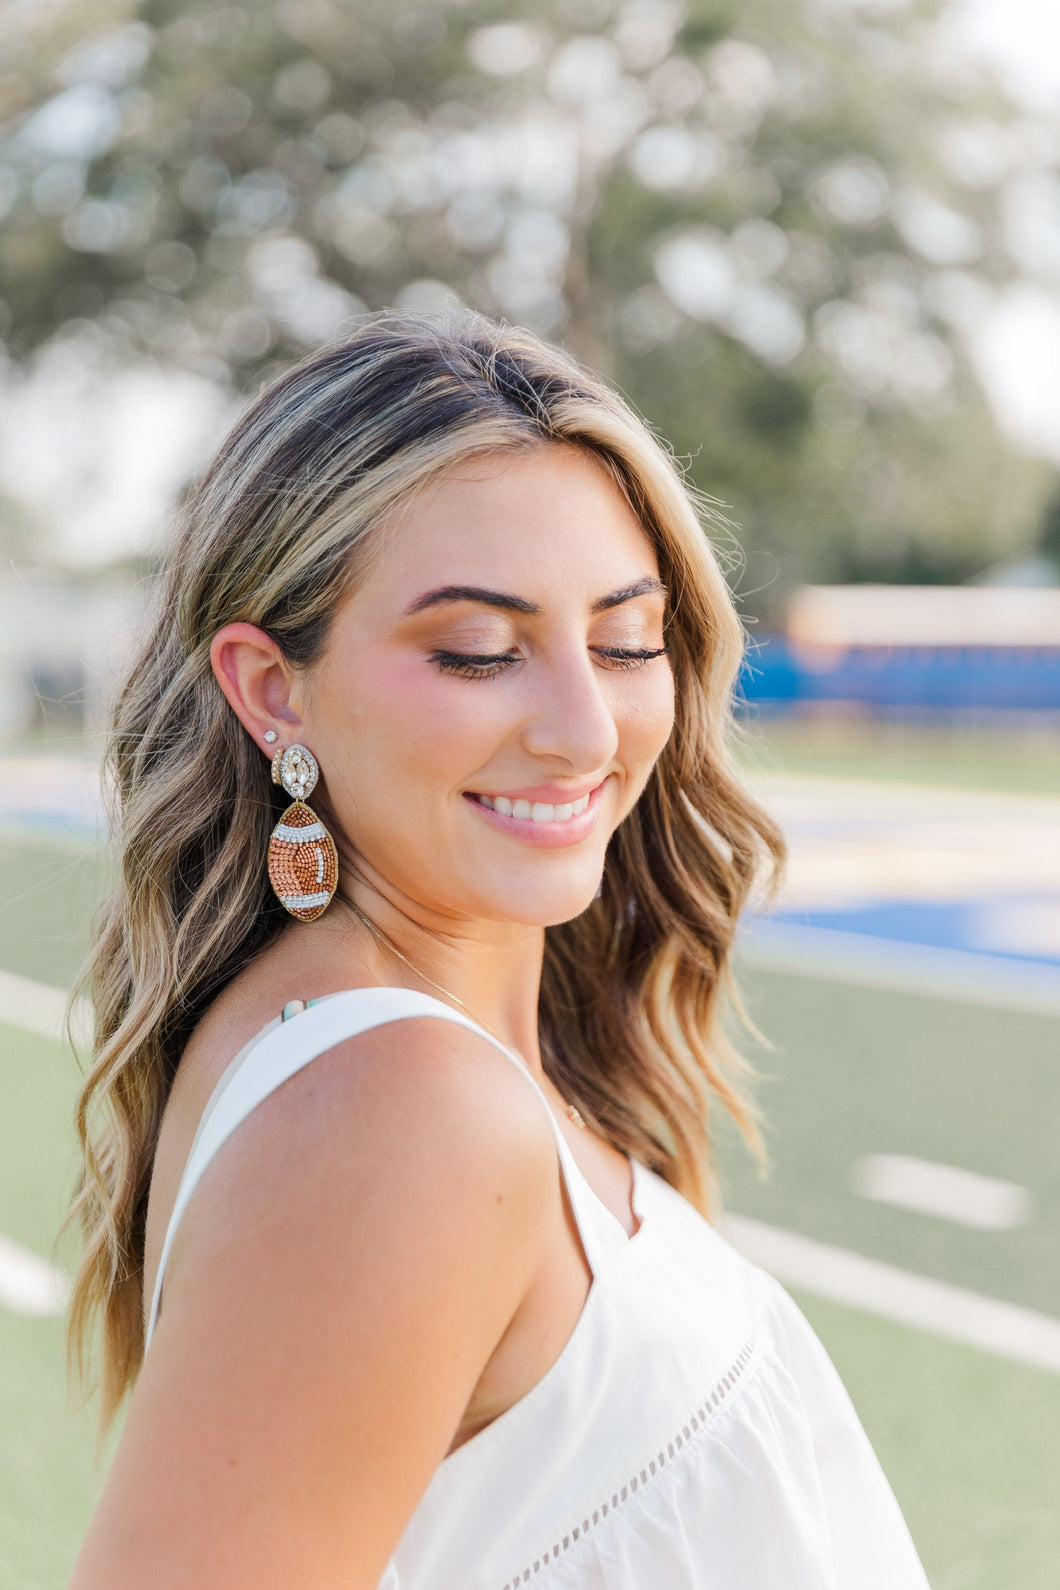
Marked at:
<point>539,519</point>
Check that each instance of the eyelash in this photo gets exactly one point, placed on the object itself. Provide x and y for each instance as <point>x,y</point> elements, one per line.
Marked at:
<point>472,665</point>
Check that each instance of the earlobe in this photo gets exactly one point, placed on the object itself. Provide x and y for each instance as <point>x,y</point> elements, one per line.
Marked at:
<point>255,678</point>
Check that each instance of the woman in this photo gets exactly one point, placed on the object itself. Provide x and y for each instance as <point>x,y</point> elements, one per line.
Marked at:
<point>402,1187</point>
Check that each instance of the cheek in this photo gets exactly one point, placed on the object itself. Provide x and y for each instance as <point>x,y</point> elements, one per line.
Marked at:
<point>647,716</point>
<point>406,720</point>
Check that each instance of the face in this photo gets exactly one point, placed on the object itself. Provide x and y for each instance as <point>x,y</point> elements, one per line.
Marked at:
<point>493,697</point>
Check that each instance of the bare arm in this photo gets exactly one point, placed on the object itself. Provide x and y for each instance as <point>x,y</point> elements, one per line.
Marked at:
<point>342,1275</point>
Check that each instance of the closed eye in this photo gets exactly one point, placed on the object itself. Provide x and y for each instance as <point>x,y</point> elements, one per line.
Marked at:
<point>486,665</point>
<point>627,657</point>
<point>474,665</point>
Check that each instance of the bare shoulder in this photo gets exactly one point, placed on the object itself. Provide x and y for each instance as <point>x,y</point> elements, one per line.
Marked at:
<point>417,1090</point>
<point>347,1266</point>
<point>414,1122</point>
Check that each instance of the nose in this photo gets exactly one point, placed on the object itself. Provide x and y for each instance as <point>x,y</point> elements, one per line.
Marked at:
<point>572,720</point>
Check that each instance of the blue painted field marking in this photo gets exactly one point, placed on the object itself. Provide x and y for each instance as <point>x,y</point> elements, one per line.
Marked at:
<point>916,888</point>
<point>963,976</point>
<point>1024,929</point>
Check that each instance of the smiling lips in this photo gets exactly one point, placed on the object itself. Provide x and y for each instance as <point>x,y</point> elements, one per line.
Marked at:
<point>539,822</point>
<point>537,811</point>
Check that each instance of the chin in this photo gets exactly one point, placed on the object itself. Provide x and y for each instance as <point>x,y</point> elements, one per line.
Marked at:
<point>550,909</point>
<point>574,908</point>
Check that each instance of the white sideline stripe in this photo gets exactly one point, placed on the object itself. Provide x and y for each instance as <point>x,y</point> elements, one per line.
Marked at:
<point>1004,1329</point>
<point>835,956</point>
<point>28,1284</point>
<point>964,1196</point>
<point>75,839</point>
<point>40,1008</point>
<point>37,1007</point>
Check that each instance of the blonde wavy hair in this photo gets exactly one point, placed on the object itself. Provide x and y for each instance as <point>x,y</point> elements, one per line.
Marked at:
<point>277,533</point>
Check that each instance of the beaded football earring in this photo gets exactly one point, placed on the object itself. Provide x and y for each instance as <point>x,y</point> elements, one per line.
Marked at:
<point>303,864</point>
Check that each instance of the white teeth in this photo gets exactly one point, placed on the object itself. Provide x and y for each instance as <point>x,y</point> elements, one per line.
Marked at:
<point>538,811</point>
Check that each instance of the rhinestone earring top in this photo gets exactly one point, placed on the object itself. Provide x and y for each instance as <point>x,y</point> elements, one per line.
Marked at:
<point>269,736</point>
<point>297,770</point>
<point>303,862</point>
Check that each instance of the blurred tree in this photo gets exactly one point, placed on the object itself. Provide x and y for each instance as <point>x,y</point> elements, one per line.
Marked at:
<point>1049,531</point>
<point>775,223</point>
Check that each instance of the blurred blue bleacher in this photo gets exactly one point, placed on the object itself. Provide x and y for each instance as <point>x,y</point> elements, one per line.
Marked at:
<point>937,649</point>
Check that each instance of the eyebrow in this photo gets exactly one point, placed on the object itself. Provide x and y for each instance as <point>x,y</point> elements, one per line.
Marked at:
<point>649,587</point>
<point>519,604</point>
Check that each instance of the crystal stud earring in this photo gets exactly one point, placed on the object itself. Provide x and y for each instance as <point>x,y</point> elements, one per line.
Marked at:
<point>270,736</point>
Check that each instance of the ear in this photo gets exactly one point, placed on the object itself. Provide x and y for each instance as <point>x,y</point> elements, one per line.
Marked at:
<point>257,682</point>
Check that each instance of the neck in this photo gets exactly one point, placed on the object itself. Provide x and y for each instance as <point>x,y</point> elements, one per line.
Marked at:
<point>491,971</point>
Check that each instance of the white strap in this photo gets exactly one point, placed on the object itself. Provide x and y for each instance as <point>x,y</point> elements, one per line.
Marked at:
<point>282,1050</point>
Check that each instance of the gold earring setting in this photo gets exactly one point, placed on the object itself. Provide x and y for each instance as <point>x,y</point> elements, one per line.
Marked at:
<point>303,863</point>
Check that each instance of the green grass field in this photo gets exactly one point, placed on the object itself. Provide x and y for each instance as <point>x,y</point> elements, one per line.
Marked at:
<point>967,1438</point>
<point>969,756</point>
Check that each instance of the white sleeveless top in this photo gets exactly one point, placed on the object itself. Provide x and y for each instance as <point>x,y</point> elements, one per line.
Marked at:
<point>693,1433</point>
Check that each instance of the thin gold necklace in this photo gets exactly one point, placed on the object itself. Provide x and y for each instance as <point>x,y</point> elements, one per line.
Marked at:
<point>572,1110</point>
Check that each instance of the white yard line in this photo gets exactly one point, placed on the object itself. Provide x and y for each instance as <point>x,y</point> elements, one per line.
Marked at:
<point>834,956</point>
<point>965,1197</point>
<point>37,836</point>
<point>28,1284</point>
<point>1004,1329</point>
<point>36,1007</point>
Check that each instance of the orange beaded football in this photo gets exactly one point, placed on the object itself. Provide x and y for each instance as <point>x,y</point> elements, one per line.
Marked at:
<point>303,865</point>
